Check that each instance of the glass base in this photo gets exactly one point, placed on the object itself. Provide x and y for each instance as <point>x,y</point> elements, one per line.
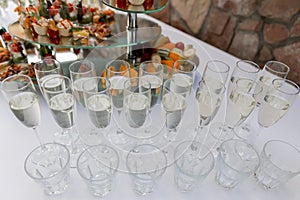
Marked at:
<point>245,132</point>
<point>213,136</point>
<point>92,136</point>
<point>221,132</point>
<point>70,138</point>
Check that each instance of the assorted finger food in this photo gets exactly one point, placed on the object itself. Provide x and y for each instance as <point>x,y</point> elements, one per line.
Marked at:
<point>60,18</point>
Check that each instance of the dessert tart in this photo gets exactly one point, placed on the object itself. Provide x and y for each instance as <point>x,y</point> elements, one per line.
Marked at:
<point>65,27</point>
<point>41,26</point>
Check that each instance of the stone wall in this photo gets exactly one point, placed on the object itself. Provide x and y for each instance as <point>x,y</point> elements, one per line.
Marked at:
<point>258,30</point>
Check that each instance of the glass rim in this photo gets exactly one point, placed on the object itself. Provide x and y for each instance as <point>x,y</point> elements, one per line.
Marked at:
<point>87,151</point>
<point>248,62</point>
<point>100,78</point>
<point>55,77</point>
<point>249,147</point>
<point>208,154</point>
<point>187,61</point>
<point>218,61</point>
<point>5,81</point>
<point>168,88</point>
<point>285,143</point>
<point>52,175</point>
<point>156,150</point>
<point>107,65</point>
<point>89,63</point>
<point>253,87</point>
<point>145,83</point>
<point>275,71</point>
<point>145,63</point>
<point>286,81</point>
<point>43,62</point>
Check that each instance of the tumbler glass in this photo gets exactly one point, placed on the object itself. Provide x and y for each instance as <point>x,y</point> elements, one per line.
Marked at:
<point>193,162</point>
<point>49,165</point>
<point>280,161</point>
<point>97,166</point>
<point>236,161</point>
<point>146,164</point>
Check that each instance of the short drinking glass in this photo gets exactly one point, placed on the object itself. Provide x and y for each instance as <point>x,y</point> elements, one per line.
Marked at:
<point>49,165</point>
<point>97,166</point>
<point>280,161</point>
<point>146,164</point>
<point>236,161</point>
<point>193,162</point>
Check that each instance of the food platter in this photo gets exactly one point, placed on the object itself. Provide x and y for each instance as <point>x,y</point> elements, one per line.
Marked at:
<point>137,6</point>
<point>118,32</point>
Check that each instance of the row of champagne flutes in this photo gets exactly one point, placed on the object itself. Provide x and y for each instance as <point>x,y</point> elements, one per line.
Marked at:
<point>57,91</point>
<point>249,88</point>
<point>95,94</point>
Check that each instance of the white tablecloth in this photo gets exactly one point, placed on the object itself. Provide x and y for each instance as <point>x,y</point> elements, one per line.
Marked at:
<point>16,141</point>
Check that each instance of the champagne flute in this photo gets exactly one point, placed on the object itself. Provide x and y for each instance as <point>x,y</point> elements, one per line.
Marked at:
<point>174,105</point>
<point>208,100</point>
<point>117,72</point>
<point>137,101</point>
<point>183,75</point>
<point>23,101</point>
<point>210,92</point>
<point>98,105</point>
<point>243,69</point>
<point>277,101</point>
<point>154,73</point>
<point>271,71</point>
<point>62,105</point>
<point>45,69</point>
<point>249,70</point>
<point>79,71</point>
<point>241,102</point>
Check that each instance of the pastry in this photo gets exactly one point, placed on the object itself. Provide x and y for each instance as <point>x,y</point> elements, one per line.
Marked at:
<point>64,27</point>
<point>41,26</point>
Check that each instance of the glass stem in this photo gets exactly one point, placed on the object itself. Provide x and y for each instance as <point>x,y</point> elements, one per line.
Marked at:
<point>38,136</point>
<point>119,130</point>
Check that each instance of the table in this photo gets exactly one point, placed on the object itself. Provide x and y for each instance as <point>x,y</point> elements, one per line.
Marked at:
<point>17,141</point>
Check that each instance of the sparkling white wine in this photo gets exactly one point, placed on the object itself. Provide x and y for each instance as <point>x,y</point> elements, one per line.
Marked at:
<point>99,109</point>
<point>136,109</point>
<point>78,90</point>
<point>247,85</point>
<point>63,109</point>
<point>174,105</point>
<point>156,85</point>
<point>266,83</point>
<point>216,85</point>
<point>239,107</point>
<point>117,90</point>
<point>26,108</point>
<point>209,97</point>
<point>272,109</point>
<point>181,83</point>
<point>52,85</point>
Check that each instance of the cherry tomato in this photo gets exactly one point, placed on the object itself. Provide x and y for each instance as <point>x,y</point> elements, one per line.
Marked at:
<point>15,47</point>
<point>70,7</point>
<point>6,36</point>
<point>53,11</point>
